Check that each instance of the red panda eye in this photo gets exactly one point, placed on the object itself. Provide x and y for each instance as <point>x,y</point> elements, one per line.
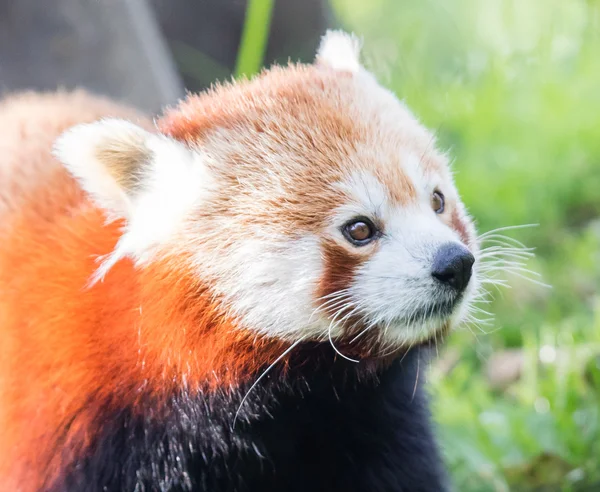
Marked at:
<point>438,202</point>
<point>359,231</point>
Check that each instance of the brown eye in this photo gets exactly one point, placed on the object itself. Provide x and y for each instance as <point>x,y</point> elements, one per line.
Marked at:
<point>359,231</point>
<point>437,202</point>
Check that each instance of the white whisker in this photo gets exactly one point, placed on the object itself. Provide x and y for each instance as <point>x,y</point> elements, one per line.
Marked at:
<point>529,279</point>
<point>331,324</point>
<point>417,376</point>
<point>502,240</point>
<point>265,372</point>
<point>506,228</point>
<point>369,326</point>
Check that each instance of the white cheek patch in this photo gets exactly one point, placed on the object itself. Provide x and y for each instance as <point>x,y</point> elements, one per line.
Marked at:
<point>269,284</point>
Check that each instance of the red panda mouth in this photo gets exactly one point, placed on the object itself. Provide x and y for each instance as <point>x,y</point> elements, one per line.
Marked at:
<point>441,310</point>
<point>428,324</point>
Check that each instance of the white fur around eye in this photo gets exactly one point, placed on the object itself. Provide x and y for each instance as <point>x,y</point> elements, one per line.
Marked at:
<point>366,197</point>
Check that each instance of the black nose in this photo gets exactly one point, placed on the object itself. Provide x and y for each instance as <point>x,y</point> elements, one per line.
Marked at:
<point>453,265</point>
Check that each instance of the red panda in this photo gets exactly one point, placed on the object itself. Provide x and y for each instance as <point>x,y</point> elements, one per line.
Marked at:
<point>230,299</point>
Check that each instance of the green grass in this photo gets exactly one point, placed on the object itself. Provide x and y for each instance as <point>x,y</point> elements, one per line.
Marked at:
<point>255,35</point>
<point>512,88</point>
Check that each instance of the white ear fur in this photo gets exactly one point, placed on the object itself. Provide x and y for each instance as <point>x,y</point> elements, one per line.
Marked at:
<point>340,51</point>
<point>109,158</point>
<point>149,179</point>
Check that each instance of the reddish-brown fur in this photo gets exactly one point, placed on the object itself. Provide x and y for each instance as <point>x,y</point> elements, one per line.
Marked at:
<point>340,269</point>
<point>459,226</point>
<point>153,328</point>
<point>63,344</point>
<point>303,115</point>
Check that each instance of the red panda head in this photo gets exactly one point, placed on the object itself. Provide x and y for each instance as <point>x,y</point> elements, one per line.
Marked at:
<point>309,200</point>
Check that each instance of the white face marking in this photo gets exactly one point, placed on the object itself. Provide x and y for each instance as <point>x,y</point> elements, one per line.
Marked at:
<point>269,284</point>
<point>396,284</point>
<point>394,288</point>
<point>366,194</point>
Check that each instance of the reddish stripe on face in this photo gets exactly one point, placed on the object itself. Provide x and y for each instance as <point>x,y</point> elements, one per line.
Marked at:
<point>399,187</point>
<point>341,267</point>
<point>459,226</point>
<point>340,270</point>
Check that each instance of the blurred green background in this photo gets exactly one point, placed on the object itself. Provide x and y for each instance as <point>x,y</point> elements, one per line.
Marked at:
<point>512,88</point>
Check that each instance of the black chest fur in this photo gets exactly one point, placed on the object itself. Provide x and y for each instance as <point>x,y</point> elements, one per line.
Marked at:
<point>329,430</point>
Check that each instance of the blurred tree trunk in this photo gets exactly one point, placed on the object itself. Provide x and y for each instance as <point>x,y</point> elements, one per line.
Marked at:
<point>117,47</point>
<point>204,35</point>
<point>112,47</point>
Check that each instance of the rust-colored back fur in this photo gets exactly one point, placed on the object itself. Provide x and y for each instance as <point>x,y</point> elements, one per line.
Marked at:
<point>66,348</point>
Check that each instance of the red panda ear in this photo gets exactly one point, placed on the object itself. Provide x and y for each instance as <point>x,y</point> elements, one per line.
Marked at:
<point>340,51</point>
<point>114,160</point>
<point>149,179</point>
